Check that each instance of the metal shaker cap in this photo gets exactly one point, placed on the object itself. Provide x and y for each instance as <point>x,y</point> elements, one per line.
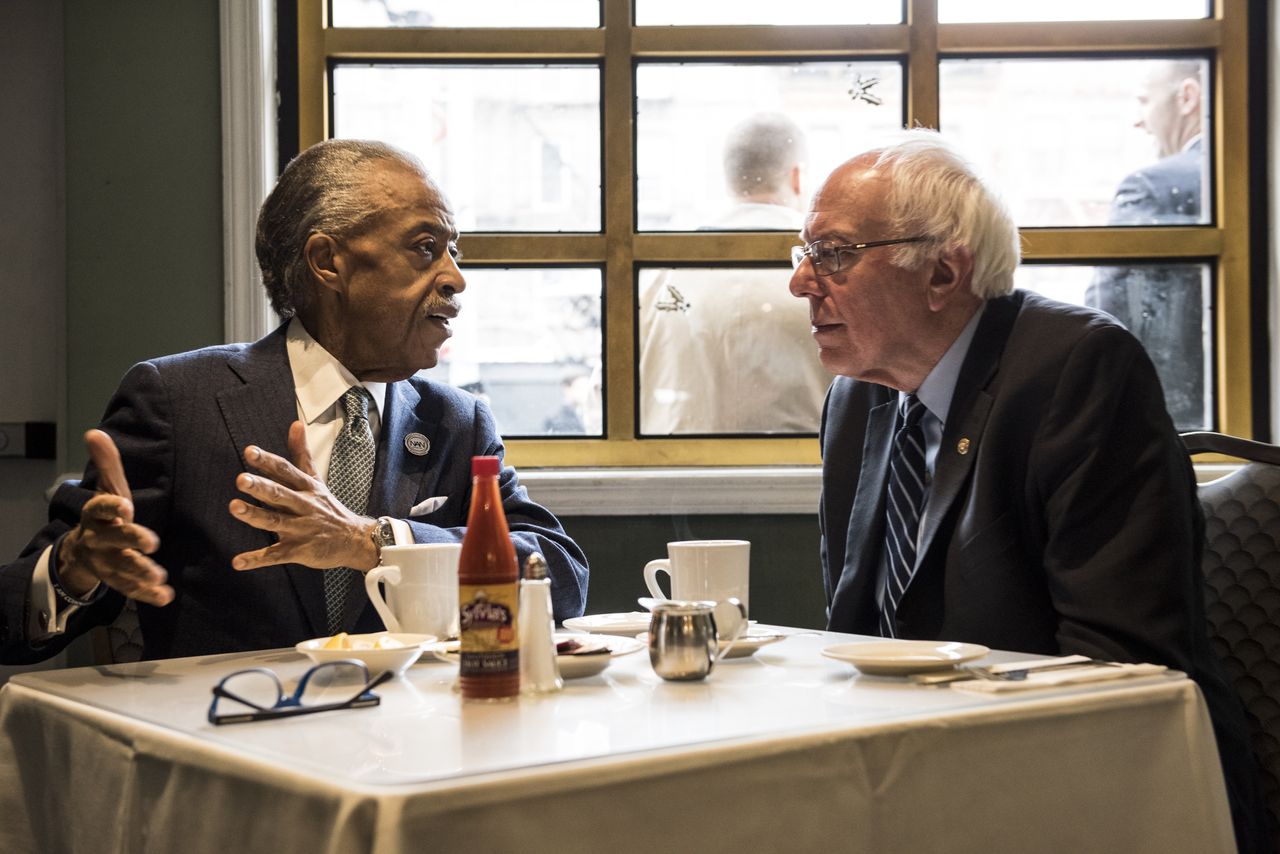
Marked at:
<point>535,567</point>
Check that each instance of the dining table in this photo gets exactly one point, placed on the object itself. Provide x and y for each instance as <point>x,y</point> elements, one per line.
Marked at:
<point>784,749</point>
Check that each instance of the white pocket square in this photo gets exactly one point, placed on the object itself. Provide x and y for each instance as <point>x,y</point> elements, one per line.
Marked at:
<point>429,505</point>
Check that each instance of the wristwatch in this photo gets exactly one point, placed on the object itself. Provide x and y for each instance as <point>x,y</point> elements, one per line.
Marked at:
<point>383,534</point>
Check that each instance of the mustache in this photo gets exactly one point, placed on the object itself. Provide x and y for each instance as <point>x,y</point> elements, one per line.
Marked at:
<point>446,304</point>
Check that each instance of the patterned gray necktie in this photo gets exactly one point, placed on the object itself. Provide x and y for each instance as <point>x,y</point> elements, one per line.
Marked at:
<point>350,475</point>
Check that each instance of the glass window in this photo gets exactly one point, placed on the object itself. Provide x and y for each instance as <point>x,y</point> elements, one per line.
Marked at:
<point>1085,142</point>
<point>517,147</point>
<point>712,137</point>
<point>726,351</point>
<point>818,12</point>
<point>528,342</point>
<point>964,11</point>
<point>473,13</point>
<point>1165,305</point>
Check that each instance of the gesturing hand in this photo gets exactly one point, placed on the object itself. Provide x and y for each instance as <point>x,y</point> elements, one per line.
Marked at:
<point>107,545</point>
<point>311,526</point>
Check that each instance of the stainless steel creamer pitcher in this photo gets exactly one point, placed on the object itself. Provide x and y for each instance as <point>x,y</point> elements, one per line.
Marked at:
<point>682,638</point>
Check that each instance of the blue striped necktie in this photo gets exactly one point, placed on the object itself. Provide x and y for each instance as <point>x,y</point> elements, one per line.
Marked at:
<point>903,503</point>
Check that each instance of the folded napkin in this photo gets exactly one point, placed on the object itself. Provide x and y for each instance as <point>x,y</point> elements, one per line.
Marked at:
<point>1059,678</point>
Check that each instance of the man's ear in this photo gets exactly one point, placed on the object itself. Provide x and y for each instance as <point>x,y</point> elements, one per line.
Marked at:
<point>1188,96</point>
<point>952,274</point>
<point>321,252</point>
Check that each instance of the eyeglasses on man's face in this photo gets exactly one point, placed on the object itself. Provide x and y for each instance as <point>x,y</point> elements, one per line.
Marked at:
<point>829,258</point>
<point>257,695</point>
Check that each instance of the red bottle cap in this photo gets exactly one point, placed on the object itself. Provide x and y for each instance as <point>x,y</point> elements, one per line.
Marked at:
<point>485,466</point>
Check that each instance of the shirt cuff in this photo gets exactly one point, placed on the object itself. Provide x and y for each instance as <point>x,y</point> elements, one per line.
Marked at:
<point>47,618</point>
<point>402,532</point>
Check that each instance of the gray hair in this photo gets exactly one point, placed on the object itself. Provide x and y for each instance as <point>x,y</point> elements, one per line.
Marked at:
<point>322,190</point>
<point>935,192</point>
<point>760,152</point>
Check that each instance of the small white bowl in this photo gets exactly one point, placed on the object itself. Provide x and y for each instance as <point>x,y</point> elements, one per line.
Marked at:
<point>396,658</point>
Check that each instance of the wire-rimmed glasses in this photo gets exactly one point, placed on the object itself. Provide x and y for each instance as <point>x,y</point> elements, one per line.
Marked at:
<point>255,694</point>
<point>829,258</point>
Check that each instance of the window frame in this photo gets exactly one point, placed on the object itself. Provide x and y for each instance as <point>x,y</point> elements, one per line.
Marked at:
<point>617,46</point>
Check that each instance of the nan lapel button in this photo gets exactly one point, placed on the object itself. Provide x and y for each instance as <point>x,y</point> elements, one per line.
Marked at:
<point>962,447</point>
<point>417,444</point>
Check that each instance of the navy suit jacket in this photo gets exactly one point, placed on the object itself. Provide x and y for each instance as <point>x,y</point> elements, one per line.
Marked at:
<point>1062,517</point>
<point>182,422</point>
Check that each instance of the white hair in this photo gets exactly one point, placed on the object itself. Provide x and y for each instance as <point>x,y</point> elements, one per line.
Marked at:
<point>935,192</point>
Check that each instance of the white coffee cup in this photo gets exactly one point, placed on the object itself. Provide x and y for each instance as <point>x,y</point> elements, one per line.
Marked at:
<point>421,588</point>
<point>706,570</point>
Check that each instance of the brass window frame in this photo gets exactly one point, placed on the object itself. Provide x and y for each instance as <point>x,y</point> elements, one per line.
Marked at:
<point>921,43</point>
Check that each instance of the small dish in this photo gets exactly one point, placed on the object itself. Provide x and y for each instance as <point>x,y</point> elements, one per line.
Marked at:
<point>611,624</point>
<point>406,649</point>
<point>900,657</point>
<point>745,646</point>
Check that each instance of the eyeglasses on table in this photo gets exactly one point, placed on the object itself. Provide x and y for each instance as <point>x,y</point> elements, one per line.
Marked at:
<point>256,694</point>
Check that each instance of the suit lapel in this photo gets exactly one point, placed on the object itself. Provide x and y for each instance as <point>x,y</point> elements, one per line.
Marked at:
<point>259,412</point>
<point>967,420</point>
<point>866,528</point>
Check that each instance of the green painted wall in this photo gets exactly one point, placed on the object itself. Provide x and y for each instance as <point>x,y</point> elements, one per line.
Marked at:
<point>144,192</point>
<point>786,582</point>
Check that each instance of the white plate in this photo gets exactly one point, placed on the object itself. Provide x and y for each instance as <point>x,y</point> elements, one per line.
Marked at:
<point>755,638</point>
<point>570,666</point>
<point>611,624</point>
<point>396,659</point>
<point>899,657</point>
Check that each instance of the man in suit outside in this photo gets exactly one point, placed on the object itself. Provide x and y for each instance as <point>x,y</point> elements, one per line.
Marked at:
<point>1162,304</point>
<point>998,468</point>
<point>223,479</point>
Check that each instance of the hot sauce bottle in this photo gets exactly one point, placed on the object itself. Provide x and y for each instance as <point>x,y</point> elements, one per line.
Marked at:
<point>488,592</point>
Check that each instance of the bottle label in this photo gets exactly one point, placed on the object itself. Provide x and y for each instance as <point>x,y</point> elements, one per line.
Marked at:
<point>490,643</point>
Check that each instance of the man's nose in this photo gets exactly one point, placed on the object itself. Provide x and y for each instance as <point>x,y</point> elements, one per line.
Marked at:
<point>803,282</point>
<point>454,281</point>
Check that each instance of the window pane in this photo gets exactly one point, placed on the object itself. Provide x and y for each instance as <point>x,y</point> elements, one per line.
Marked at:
<point>964,11</point>
<point>528,342</point>
<point>818,12</point>
<point>726,351</point>
<point>515,148</point>
<point>694,133</point>
<point>1085,142</point>
<point>473,13</point>
<point>1166,306</point>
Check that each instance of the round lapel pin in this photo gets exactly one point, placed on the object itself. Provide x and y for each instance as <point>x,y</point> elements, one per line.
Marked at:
<point>962,447</point>
<point>417,444</point>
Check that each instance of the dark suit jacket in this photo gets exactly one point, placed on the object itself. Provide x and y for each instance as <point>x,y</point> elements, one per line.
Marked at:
<point>1162,304</point>
<point>182,422</point>
<point>1068,524</point>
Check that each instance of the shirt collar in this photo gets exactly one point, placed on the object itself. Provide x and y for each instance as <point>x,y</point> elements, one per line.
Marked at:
<point>319,379</point>
<point>940,385</point>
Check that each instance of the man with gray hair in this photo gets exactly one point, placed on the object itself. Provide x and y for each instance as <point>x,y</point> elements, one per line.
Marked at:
<point>998,468</point>
<point>222,479</point>
<point>724,351</point>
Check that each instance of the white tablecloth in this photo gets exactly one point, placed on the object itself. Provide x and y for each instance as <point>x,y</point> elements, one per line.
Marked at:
<point>783,751</point>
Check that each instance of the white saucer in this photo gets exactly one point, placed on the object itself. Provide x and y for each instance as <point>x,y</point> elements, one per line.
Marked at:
<point>611,624</point>
<point>899,657</point>
<point>396,658</point>
<point>745,646</point>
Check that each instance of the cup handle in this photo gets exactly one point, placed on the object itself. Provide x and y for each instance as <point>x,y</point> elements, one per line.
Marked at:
<point>651,570</point>
<point>390,575</point>
<point>742,626</point>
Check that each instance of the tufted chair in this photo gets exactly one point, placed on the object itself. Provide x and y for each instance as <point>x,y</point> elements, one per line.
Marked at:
<point>1242,589</point>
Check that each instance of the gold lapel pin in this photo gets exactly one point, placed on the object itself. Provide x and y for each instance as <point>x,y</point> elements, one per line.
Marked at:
<point>962,446</point>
